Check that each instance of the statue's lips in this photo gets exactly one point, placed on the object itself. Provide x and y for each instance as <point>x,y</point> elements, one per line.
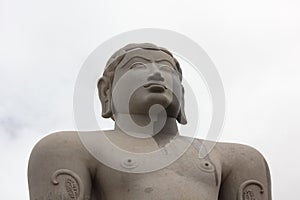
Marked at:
<point>155,87</point>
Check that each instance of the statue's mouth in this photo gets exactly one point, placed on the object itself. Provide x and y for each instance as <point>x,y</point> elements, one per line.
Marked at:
<point>155,87</point>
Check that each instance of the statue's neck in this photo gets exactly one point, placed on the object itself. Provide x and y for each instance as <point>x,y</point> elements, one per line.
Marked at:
<point>162,129</point>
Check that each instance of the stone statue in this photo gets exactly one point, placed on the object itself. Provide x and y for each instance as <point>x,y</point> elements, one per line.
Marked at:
<point>60,167</point>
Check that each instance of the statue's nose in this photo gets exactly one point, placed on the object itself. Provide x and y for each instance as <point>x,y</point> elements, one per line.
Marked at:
<point>156,77</point>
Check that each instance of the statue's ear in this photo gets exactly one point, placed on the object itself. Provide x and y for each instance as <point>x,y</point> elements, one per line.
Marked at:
<point>104,92</point>
<point>181,118</point>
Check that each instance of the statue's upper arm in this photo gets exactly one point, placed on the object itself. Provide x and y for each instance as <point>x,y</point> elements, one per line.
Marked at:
<point>57,169</point>
<point>245,175</point>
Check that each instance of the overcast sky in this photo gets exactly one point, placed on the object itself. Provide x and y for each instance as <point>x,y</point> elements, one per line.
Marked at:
<point>254,44</point>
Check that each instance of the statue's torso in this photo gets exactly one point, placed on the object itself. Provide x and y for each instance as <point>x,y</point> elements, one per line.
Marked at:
<point>189,177</point>
<point>61,166</point>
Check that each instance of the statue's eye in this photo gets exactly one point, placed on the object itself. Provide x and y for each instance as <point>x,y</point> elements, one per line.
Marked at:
<point>167,68</point>
<point>137,65</point>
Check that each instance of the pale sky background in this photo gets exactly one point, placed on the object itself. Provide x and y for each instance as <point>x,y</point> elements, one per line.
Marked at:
<point>254,44</point>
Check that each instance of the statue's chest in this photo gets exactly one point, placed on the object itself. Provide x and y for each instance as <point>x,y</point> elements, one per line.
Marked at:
<point>187,178</point>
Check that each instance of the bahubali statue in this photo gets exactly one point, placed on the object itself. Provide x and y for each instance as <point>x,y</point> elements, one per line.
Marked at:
<point>146,110</point>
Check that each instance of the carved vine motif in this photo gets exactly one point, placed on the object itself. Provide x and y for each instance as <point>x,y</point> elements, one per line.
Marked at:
<point>251,190</point>
<point>72,182</point>
<point>72,188</point>
<point>248,195</point>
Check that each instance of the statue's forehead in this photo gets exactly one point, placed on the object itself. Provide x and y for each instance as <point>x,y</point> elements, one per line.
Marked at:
<point>147,56</point>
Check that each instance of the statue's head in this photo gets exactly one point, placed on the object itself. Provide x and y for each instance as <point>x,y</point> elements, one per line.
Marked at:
<point>153,66</point>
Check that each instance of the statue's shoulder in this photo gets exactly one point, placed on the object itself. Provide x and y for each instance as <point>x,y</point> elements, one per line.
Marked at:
<point>59,146</point>
<point>244,169</point>
<point>244,161</point>
<point>58,164</point>
<point>234,157</point>
<point>59,141</point>
<point>234,152</point>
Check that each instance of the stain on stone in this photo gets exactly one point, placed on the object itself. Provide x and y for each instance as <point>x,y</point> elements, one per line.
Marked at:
<point>148,189</point>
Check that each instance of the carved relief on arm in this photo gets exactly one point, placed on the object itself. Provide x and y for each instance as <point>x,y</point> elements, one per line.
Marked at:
<point>251,190</point>
<point>72,183</point>
<point>70,186</point>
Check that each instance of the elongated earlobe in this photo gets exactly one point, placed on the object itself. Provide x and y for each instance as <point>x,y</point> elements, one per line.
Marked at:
<point>104,92</point>
<point>181,118</point>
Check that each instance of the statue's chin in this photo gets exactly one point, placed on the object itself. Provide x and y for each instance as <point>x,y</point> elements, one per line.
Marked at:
<point>143,106</point>
<point>143,99</point>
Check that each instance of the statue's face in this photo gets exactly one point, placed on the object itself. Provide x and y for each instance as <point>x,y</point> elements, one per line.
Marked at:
<point>144,78</point>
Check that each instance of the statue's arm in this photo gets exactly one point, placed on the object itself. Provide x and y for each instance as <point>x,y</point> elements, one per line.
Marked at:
<point>245,174</point>
<point>58,170</point>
